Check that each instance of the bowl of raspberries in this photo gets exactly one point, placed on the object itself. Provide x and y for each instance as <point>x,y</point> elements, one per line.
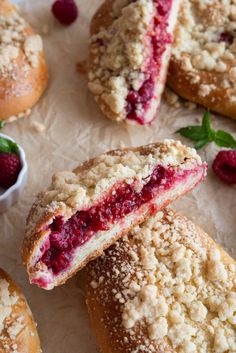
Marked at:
<point>13,171</point>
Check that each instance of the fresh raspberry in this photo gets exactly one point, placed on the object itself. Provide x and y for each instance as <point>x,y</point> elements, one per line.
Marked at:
<point>65,11</point>
<point>10,167</point>
<point>224,166</point>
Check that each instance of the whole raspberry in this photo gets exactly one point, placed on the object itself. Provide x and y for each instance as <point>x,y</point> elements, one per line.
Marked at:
<point>224,166</point>
<point>10,167</point>
<point>65,11</point>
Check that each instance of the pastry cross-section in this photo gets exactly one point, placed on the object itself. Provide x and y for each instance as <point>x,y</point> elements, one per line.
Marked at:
<point>85,211</point>
<point>129,53</point>
<point>166,287</point>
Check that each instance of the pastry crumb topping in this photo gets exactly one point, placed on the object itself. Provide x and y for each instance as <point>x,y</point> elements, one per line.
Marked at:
<point>15,40</point>
<point>171,285</point>
<point>121,61</point>
<point>83,187</point>
<point>205,42</point>
<point>21,115</point>
<point>125,57</point>
<point>8,329</point>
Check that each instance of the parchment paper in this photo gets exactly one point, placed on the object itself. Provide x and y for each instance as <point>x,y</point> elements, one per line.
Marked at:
<point>75,131</point>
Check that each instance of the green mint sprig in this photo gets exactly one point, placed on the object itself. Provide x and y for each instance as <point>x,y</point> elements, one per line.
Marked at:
<point>204,134</point>
<point>1,124</point>
<point>8,146</point>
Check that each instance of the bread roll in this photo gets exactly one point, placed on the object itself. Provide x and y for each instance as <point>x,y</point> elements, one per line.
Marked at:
<point>203,63</point>
<point>23,71</point>
<point>18,333</point>
<point>166,287</point>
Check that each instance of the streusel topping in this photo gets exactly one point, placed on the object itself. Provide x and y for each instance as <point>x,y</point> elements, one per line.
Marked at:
<point>205,41</point>
<point>171,283</point>
<point>8,330</point>
<point>124,55</point>
<point>86,185</point>
<point>15,39</point>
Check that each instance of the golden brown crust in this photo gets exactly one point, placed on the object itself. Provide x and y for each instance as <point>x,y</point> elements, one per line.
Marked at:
<point>109,281</point>
<point>203,65</point>
<point>181,83</point>
<point>20,90</point>
<point>101,17</point>
<point>104,170</point>
<point>19,333</point>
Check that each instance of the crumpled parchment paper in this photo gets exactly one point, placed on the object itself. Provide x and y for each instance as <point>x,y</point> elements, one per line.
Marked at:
<point>75,130</point>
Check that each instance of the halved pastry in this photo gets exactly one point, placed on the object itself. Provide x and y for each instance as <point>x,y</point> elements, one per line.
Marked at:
<point>166,287</point>
<point>203,63</point>
<point>23,71</point>
<point>83,212</point>
<point>129,54</point>
<point>18,333</point>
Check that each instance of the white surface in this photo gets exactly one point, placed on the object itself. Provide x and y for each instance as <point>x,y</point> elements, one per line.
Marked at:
<point>75,131</point>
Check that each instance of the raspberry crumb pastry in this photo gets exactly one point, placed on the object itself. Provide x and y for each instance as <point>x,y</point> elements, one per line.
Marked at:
<point>23,72</point>
<point>83,212</point>
<point>129,53</point>
<point>166,287</point>
<point>203,65</point>
<point>18,332</point>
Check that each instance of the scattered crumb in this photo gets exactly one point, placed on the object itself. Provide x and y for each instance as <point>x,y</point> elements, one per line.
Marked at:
<point>171,98</point>
<point>190,105</point>
<point>38,127</point>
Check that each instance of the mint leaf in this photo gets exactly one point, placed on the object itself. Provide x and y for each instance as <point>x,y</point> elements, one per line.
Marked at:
<point>224,139</point>
<point>206,125</point>
<point>194,133</point>
<point>8,146</point>
<point>204,134</point>
<point>201,144</point>
<point>1,124</point>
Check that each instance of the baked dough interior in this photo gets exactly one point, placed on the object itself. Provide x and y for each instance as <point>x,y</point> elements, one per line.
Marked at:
<point>67,236</point>
<point>129,57</point>
<point>86,210</point>
<point>158,38</point>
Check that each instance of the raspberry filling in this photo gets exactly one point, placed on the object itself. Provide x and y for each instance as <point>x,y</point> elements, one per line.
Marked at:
<point>67,236</point>
<point>226,37</point>
<point>139,101</point>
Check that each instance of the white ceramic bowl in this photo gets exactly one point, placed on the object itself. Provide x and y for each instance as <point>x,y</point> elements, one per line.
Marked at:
<point>10,196</point>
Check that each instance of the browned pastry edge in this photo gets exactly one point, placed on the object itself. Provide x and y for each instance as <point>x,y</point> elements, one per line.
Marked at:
<point>101,19</point>
<point>106,313</point>
<point>217,100</point>
<point>21,93</point>
<point>30,242</point>
<point>33,238</point>
<point>27,340</point>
